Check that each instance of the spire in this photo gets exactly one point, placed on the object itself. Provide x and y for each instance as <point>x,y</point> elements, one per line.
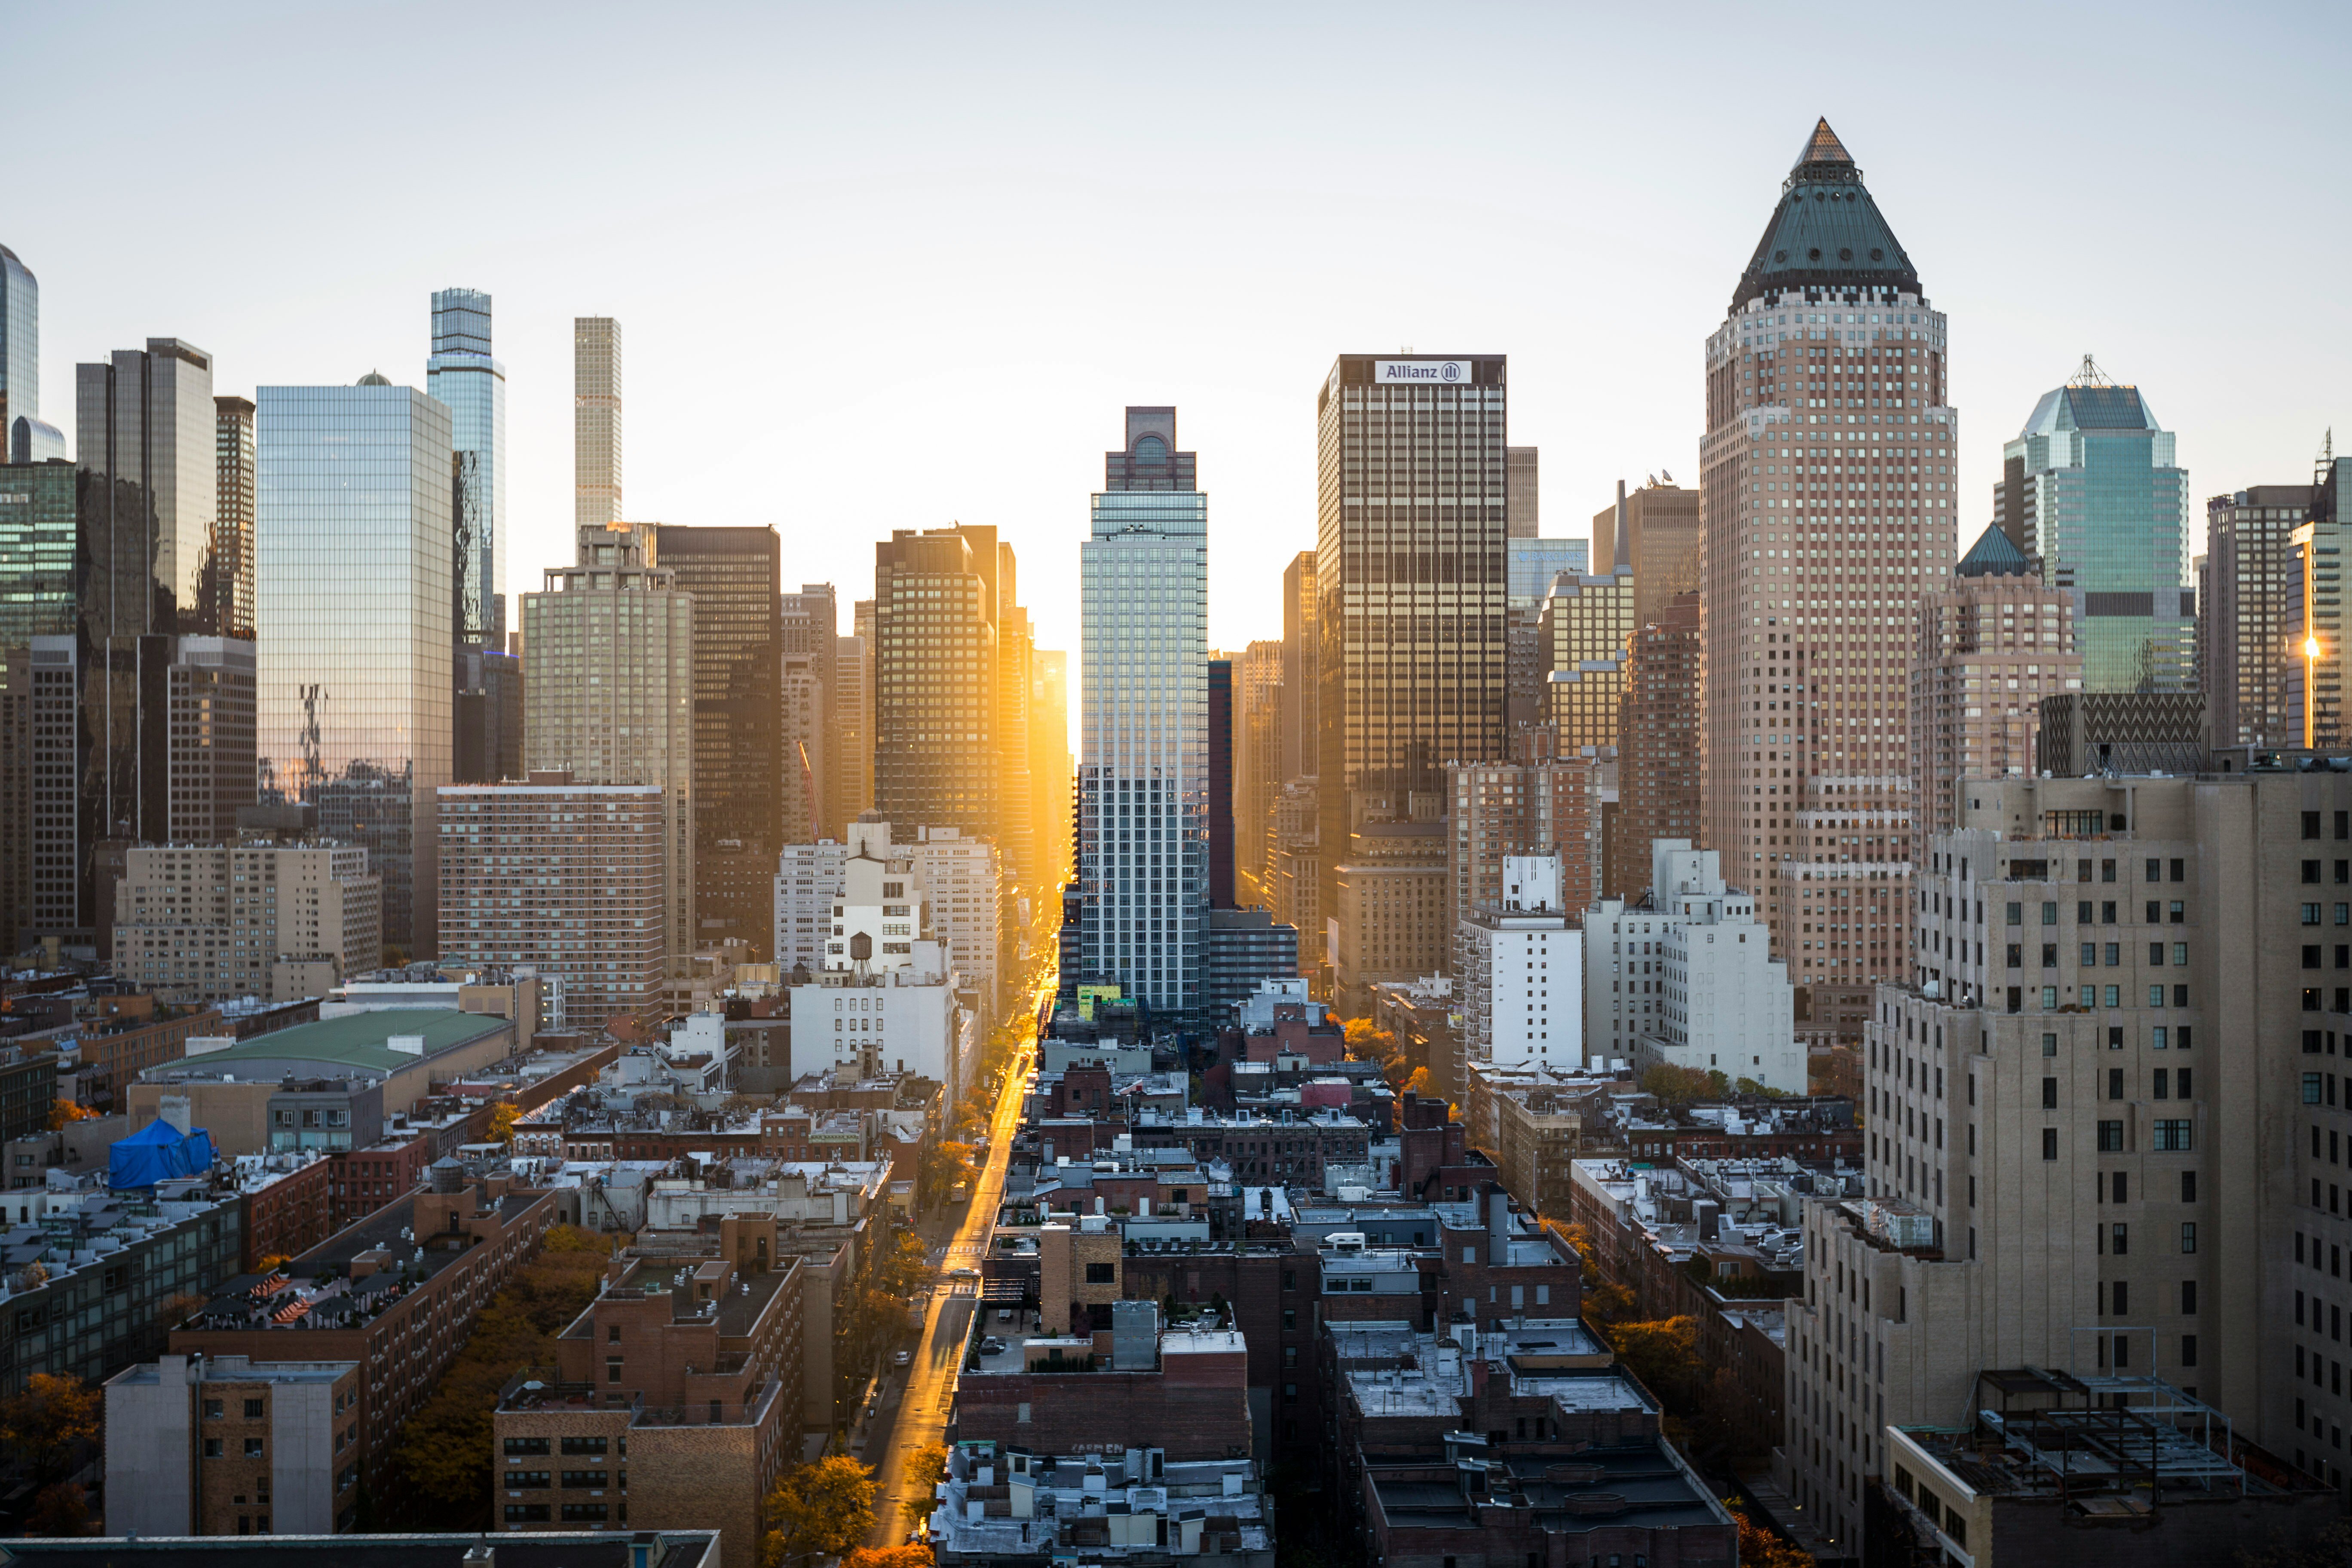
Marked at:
<point>1826,236</point>
<point>2090,374</point>
<point>1822,147</point>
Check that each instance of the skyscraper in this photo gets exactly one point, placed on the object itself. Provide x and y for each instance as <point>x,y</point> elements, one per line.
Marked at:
<point>1017,649</point>
<point>1410,526</point>
<point>745,785</point>
<point>1825,504</point>
<point>1529,567</point>
<point>1220,783</point>
<point>1143,763</point>
<point>234,481</point>
<point>146,425</point>
<point>2090,491</point>
<point>1258,764</point>
<point>20,350</point>
<point>851,790</point>
<point>1661,528</point>
<point>1301,685</point>
<point>809,631</point>
<point>2249,582</point>
<point>473,385</point>
<point>1050,777</point>
<point>354,595</point>
<point>1659,746</point>
<point>595,420</point>
<point>1521,508</point>
<point>936,704</point>
<point>609,697</point>
<point>2319,633</point>
<point>1584,634</point>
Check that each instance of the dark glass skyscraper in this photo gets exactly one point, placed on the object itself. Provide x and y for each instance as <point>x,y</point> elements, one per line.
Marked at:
<point>23,438</point>
<point>739,777</point>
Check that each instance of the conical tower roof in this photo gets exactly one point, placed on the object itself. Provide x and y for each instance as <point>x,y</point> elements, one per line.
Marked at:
<point>1994,555</point>
<point>1826,232</point>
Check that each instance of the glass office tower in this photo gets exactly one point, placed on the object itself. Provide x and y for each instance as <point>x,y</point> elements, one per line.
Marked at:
<point>23,438</point>
<point>2090,488</point>
<point>144,421</point>
<point>1144,792</point>
<point>462,376</point>
<point>596,421</point>
<point>356,546</point>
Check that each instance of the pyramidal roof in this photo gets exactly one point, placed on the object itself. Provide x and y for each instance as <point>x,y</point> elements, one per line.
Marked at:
<point>1994,555</point>
<point>1826,232</point>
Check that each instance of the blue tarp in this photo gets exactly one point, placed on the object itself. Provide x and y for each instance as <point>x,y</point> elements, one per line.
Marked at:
<point>158,1153</point>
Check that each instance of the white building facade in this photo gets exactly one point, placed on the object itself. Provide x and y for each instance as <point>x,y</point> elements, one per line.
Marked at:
<point>1688,978</point>
<point>808,882</point>
<point>1143,775</point>
<point>1520,974</point>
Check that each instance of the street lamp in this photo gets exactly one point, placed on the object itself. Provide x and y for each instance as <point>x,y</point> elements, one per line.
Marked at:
<point>2310,686</point>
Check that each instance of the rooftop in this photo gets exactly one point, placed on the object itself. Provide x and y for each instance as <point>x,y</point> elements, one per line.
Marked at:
<point>1635,1485</point>
<point>317,1291</point>
<point>356,1041</point>
<point>535,1549</point>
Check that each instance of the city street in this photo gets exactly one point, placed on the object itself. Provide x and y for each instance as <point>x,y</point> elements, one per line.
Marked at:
<point>922,1410</point>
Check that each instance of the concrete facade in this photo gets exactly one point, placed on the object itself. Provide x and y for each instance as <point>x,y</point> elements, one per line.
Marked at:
<point>224,1445</point>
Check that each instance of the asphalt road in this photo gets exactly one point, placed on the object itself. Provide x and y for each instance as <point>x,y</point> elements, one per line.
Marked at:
<point>920,1415</point>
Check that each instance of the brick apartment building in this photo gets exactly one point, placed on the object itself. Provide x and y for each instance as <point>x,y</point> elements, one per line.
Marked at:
<point>395,1293</point>
<point>676,1397</point>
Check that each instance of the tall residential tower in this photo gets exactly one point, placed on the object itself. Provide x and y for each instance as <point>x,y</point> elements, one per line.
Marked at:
<point>595,420</point>
<point>1143,793</point>
<point>473,385</point>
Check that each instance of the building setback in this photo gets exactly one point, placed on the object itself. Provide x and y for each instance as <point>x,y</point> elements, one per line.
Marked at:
<point>610,698</point>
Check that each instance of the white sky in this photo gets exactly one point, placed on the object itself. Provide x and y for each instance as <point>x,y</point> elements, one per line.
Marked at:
<point>891,267</point>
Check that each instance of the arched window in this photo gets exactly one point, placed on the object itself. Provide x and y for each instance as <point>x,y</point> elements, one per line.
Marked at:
<point>1151,452</point>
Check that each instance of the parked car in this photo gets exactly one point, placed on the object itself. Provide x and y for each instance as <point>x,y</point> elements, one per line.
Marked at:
<point>992,1345</point>
<point>902,1359</point>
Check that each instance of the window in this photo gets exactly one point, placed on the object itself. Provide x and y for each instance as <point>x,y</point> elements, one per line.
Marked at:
<point>2311,914</point>
<point>2189,1350</point>
<point>2050,907</point>
<point>1101,1273</point>
<point>584,1513</point>
<point>2172,1135</point>
<point>2187,1235</point>
<point>2121,1234</point>
<point>2189,1187</point>
<point>253,1410</point>
<point>2050,1143</point>
<point>2188,1297</point>
<point>2311,872</point>
<point>211,1409</point>
<point>611,1370</point>
<point>2049,1094</point>
<point>527,1480</point>
<point>2114,1083</point>
<point>2049,1045</point>
<point>212,1447</point>
<point>252,1447</point>
<point>534,1445</point>
<point>590,1480</point>
<point>2111,1137</point>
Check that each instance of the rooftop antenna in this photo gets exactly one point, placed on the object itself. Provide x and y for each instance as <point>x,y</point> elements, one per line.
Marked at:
<point>2090,374</point>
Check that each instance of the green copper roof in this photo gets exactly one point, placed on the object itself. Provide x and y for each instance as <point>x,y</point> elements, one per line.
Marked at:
<point>1826,232</point>
<point>1994,555</point>
<point>357,1039</point>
